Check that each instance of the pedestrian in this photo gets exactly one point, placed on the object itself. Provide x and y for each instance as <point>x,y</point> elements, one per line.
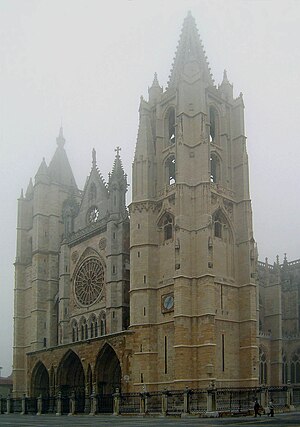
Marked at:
<point>256,408</point>
<point>271,408</point>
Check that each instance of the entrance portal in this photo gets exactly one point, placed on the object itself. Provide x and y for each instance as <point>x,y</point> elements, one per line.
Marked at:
<point>40,381</point>
<point>108,371</point>
<point>71,379</point>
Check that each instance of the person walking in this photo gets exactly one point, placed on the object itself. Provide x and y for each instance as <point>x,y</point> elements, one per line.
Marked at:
<point>256,408</point>
<point>271,408</point>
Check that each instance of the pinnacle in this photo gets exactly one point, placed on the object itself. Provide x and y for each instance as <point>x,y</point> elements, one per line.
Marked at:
<point>155,80</point>
<point>60,139</point>
<point>117,170</point>
<point>94,158</point>
<point>225,78</point>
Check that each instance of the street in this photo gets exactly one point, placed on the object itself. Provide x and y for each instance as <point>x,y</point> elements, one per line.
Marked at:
<point>291,419</point>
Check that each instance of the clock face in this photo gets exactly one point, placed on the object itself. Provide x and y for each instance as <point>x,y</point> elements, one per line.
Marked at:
<point>168,302</point>
<point>93,214</point>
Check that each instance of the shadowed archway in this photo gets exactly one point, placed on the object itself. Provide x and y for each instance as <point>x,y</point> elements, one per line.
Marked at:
<point>40,381</point>
<point>107,371</point>
<point>71,378</point>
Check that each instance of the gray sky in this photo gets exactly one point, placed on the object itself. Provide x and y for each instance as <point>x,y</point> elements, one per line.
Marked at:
<point>85,63</point>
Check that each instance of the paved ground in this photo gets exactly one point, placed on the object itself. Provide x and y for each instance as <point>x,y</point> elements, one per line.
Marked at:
<point>280,420</point>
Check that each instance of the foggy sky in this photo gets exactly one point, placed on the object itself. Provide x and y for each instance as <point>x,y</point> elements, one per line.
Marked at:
<point>85,64</point>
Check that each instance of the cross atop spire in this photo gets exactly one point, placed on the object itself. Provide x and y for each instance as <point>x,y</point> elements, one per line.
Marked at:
<point>117,150</point>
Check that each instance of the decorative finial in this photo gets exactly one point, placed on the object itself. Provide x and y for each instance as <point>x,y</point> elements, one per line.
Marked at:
<point>117,150</point>
<point>60,139</point>
<point>155,80</point>
<point>225,78</point>
<point>277,259</point>
<point>94,157</point>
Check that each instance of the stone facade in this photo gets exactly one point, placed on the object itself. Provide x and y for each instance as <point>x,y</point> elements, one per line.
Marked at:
<point>187,314</point>
<point>279,325</point>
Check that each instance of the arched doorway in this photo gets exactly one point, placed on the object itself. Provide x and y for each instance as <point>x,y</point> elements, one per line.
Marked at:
<point>108,371</point>
<point>71,379</point>
<point>40,381</point>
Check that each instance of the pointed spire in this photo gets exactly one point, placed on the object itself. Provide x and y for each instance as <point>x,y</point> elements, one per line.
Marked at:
<point>189,49</point>
<point>225,78</point>
<point>59,169</point>
<point>94,163</point>
<point>155,81</point>
<point>144,144</point>
<point>155,91</point>
<point>117,169</point>
<point>117,179</point>
<point>226,87</point>
<point>42,174</point>
<point>43,169</point>
<point>60,139</point>
<point>29,190</point>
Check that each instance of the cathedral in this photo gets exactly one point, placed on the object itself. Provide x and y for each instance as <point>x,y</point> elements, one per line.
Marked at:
<point>166,292</point>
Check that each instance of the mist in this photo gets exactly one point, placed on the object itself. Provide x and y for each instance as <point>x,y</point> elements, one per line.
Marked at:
<point>84,65</point>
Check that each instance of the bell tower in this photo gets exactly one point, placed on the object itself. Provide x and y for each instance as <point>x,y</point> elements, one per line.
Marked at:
<point>193,258</point>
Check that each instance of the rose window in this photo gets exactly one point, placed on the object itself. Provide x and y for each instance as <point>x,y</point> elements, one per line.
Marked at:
<point>89,281</point>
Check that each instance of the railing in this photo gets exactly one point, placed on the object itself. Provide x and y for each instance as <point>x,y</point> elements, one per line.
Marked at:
<point>130,403</point>
<point>278,395</point>
<point>154,402</point>
<point>175,402</point>
<point>230,401</point>
<point>198,401</point>
<point>236,400</point>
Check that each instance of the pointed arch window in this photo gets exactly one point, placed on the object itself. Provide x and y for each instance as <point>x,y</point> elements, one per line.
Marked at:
<point>171,126</point>
<point>93,327</point>
<point>168,227</point>
<point>219,223</point>
<point>171,170</point>
<point>295,367</point>
<point>284,369</point>
<point>263,367</point>
<point>102,324</point>
<point>214,125</point>
<point>74,331</point>
<point>166,224</point>
<point>83,329</point>
<point>215,168</point>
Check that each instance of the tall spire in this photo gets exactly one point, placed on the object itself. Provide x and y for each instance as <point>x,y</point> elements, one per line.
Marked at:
<point>226,87</point>
<point>189,49</point>
<point>144,144</point>
<point>155,91</point>
<point>59,168</point>
<point>60,139</point>
<point>94,163</point>
<point>29,190</point>
<point>155,81</point>
<point>117,169</point>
